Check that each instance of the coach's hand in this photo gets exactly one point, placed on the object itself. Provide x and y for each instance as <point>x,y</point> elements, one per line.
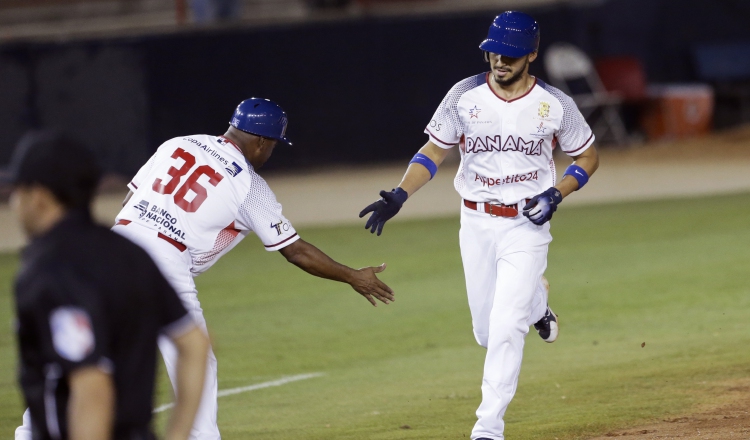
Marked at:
<point>367,284</point>
<point>384,209</point>
<point>541,207</point>
<point>313,261</point>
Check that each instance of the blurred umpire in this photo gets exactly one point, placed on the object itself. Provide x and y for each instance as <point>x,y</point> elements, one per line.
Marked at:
<point>90,307</point>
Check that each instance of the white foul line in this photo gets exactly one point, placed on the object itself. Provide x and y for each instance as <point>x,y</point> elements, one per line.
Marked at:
<point>274,383</point>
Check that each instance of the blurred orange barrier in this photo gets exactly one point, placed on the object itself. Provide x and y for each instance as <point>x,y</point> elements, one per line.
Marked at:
<point>677,111</point>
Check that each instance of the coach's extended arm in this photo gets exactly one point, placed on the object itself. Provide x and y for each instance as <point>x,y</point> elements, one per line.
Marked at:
<point>315,262</point>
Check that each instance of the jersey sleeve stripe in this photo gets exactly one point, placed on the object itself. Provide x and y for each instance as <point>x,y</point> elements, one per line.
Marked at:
<point>438,139</point>
<point>133,185</point>
<point>582,146</point>
<point>281,242</point>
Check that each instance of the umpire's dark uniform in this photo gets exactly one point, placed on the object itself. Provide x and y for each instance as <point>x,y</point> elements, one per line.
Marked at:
<point>86,296</point>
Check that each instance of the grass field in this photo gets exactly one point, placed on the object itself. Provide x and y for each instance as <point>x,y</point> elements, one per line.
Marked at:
<point>672,274</point>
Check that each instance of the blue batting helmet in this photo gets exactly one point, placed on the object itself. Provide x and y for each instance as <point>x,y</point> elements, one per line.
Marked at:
<point>261,117</point>
<point>513,34</point>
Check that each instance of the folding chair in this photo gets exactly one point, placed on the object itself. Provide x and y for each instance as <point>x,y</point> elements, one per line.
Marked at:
<point>570,70</point>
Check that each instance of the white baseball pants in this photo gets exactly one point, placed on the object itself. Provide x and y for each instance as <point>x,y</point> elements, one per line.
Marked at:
<point>504,260</point>
<point>175,266</point>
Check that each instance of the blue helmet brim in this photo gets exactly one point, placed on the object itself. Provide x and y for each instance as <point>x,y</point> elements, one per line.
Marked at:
<point>503,49</point>
<point>282,139</point>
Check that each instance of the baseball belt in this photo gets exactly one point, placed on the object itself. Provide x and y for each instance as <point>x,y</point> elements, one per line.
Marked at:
<point>180,247</point>
<point>498,210</point>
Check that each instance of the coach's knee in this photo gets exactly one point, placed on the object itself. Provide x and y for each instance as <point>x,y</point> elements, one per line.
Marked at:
<point>482,338</point>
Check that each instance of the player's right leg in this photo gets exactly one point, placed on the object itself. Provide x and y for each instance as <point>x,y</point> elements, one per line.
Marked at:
<point>479,260</point>
<point>516,276</point>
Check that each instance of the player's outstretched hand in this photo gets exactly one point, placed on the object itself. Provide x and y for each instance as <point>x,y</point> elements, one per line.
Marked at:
<point>367,284</point>
<point>384,209</point>
<point>541,207</point>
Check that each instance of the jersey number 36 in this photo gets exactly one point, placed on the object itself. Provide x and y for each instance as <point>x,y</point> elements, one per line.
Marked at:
<point>191,184</point>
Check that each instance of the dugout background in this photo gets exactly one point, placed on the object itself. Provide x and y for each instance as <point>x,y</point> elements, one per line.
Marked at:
<point>359,90</point>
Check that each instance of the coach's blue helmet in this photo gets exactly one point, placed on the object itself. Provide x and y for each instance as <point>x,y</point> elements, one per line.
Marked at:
<point>513,34</point>
<point>261,117</point>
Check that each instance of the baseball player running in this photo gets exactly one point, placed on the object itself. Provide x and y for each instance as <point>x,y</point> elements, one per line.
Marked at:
<point>507,124</point>
<point>197,197</point>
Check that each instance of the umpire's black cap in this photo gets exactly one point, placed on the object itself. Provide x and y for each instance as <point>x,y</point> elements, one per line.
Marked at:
<point>59,163</point>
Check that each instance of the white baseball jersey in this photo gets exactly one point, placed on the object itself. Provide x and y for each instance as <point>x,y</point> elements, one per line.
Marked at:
<point>201,192</point>
<point>506,146</point>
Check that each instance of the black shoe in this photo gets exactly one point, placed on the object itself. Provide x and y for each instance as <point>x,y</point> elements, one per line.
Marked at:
<point>547,326</point>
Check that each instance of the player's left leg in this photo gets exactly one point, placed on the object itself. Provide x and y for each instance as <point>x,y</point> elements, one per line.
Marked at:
<point>175,266</point>
<point>540,301</point>
<point>544,319</point>
<point>521,262</point>
<point>205,426</point>
<point>23,432</point>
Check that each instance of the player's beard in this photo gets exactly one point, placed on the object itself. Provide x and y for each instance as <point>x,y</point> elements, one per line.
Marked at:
<point>514,78</point>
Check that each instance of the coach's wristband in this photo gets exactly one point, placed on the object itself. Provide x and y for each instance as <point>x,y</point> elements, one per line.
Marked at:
<point>578,173</point>
<point>426,162</point>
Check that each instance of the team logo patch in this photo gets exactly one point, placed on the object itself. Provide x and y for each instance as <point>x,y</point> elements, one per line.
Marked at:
<point>543,109</point>
<point>474,112</point>
<point>72,333</point>
<point>233,169</point>
<point>280,227</point>
<point>143,207</point>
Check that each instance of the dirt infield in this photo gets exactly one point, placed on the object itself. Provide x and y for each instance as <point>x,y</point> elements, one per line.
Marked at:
<point>727,421</point>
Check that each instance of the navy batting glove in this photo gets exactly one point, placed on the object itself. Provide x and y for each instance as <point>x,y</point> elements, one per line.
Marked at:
<point>384,209</point>
<point>541,207</point>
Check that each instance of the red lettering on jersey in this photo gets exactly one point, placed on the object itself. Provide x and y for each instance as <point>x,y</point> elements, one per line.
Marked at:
<point>175,173</point>
<point>192,185</point>
<point>511,143</point>
<point>516,178</point>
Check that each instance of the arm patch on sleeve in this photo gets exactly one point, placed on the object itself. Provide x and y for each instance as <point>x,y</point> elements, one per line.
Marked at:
<point>72,333</point>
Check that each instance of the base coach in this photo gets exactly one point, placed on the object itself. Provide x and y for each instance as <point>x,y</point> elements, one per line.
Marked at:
<point>90,306</point>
